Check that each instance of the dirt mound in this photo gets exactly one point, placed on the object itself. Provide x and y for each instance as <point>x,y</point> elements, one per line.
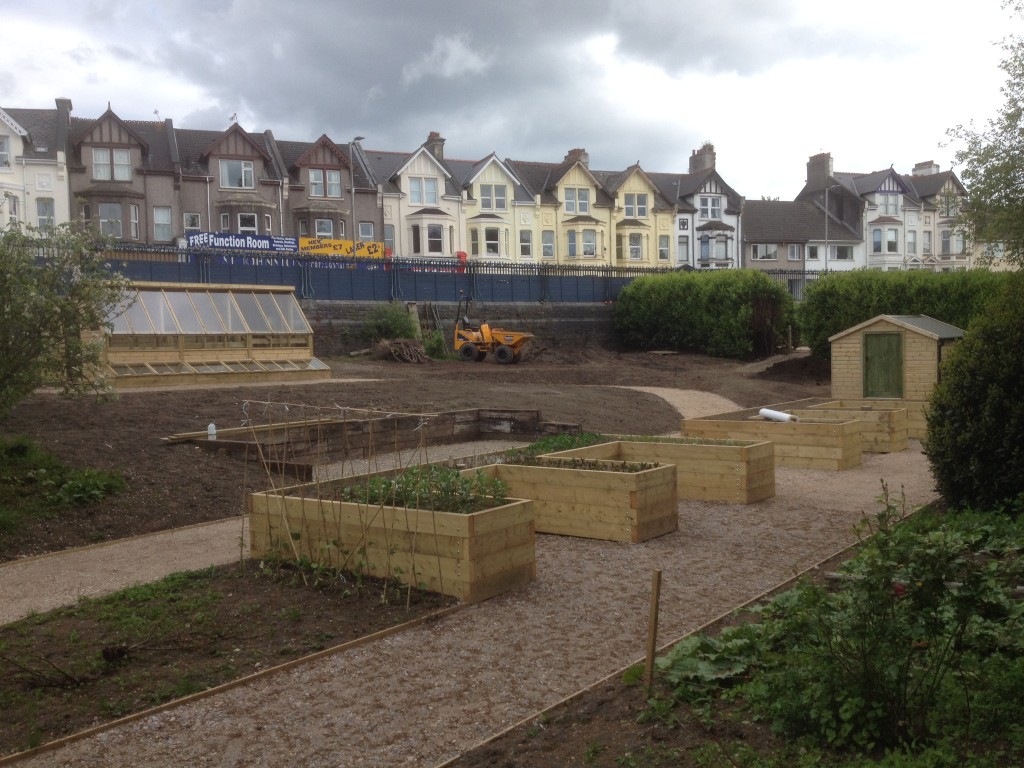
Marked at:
<point>799,370</point>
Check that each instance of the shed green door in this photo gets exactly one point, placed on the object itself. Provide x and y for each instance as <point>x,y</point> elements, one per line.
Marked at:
<point>883,364</point>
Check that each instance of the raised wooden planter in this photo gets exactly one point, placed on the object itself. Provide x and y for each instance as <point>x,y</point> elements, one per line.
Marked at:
<point>881,431</point>
<point>740,472</point>
<point>832,445</point>
<point>917,424</point>
<point>469,556</point>
<point>595,503</point>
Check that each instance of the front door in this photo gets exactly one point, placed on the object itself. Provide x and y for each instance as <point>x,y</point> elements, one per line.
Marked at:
<point>883,364</point>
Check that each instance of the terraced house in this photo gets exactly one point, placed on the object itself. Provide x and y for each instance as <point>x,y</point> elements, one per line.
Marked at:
<point>156,187</point>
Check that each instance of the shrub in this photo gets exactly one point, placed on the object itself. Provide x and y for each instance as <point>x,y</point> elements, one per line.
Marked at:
<point>737,313</point>
<point>435,346</point>
<point>390,321</point>
<point>975,440</point>
<point>840,300</point>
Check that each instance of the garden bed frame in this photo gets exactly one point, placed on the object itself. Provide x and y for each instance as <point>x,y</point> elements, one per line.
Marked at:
<point>735,471</point>
<point>917,424</point>
<point>608,504</point>
<point>470,556</point>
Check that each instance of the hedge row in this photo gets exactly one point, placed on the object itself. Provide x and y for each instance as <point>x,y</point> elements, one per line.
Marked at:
<point>724,313</point>
<point>841,300</point>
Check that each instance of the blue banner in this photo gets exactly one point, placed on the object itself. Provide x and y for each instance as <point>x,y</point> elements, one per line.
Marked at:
<point>227,241</point>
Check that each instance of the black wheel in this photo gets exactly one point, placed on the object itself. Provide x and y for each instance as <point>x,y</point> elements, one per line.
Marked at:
<point>504,354</point>
<point>468,352</point>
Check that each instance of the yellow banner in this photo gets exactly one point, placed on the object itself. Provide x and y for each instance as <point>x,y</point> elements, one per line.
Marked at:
<point>323,246</point>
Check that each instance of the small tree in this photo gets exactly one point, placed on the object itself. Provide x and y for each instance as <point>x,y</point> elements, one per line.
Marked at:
<point>992,163</point>
<point>54,285</point>
<point>975,441</point>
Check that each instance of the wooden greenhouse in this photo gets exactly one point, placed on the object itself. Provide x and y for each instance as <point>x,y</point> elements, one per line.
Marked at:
<point>186,333</point>
<point>890,357</point>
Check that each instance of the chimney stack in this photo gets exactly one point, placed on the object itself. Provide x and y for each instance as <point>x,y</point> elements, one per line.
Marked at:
<point>435,145</point>
<point>819,170</point>
<point>703,159</point>
<point>578,154</point>
<point>927,168</point>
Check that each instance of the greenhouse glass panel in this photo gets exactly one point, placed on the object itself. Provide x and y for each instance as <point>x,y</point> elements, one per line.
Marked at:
<point>208,315</point>
<point>229,312</point>
<point>273,314</point>
<point>188,320</point>
<point>251,312</point>
<point>292,312</point>
<point>137,318</point>
<point>159,311</point>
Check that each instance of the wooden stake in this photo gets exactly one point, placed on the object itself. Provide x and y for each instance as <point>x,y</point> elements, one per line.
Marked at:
<point>652,630</point>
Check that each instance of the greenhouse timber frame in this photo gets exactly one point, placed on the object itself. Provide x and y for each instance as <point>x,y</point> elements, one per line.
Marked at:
<point>170,334</point>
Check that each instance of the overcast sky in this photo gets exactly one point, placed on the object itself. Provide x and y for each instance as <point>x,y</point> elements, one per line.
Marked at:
<point>769,82</point>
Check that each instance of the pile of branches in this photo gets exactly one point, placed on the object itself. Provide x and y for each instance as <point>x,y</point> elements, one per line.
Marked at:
<point>402,350</point>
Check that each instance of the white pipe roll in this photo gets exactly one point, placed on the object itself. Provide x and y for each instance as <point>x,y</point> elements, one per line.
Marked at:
<point>768,413</point>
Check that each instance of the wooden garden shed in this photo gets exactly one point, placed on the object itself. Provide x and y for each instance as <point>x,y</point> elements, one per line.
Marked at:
<point>890,357</point>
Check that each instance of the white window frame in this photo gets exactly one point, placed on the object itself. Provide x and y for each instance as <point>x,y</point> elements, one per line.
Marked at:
<point>946,242</point>
<point>793,252</point>
<point>251,225</point>
<point>334,188</point>
<point>323,228</point>
<point>423,190</point>
<point>889,203</point>
<point>721,247</point>
<point>268,224</point>
<point>846,254</point>
<point>765,252</point>
<point>435,239</point>
<point>664,243</point>
<point>246,174</point>
<point>225,222</point>
<point>163,230</point>
<point>812,253</point>
<point>192,222</point>
<point>493,197</point>
<point>46,211</point>
<point>526,244</point>
<point>571,243</point>
<point>926,243</point>
<point>316,182</point>
<point>366,234</point>
<point>122,159</point>
<point>711,207</point>
<point>892,240</point>
<point>636,205</point>
<point>577,200</point>
<point>683,249</point>
<point>876,240</point>
<point>492,241</point>
<point>547,244</point>
<point>5,153</point>
<point>911,242</point>
<point>636,246</point>
<point>109,223</point>
<point>589,242</point>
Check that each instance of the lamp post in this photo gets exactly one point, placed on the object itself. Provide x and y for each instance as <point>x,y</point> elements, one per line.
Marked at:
<point>352,188</point>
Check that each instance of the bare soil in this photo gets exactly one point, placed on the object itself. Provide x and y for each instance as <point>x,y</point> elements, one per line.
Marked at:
<point>170,486</point>
<point>175,485</point>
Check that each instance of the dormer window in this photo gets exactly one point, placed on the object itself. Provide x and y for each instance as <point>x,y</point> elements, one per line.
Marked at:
<point>111,164</point>
<point>636,206</point>
<point>493,197</point>
<point>710,207</point>
<point>889,203</point>
<point>324,183</point>
<point>422,190</point>
<point>577,200</point>
<point>237,174</point>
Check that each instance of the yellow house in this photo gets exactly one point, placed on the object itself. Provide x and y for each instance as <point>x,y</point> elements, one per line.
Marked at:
<point>643,220</point>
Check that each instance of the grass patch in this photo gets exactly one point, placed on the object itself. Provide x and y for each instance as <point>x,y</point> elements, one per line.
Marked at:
<point>35,484</point>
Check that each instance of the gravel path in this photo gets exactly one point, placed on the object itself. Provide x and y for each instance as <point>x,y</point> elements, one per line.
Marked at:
<point>425,695</point>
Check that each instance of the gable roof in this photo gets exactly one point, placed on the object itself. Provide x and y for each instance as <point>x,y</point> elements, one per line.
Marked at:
<point>921,324</point>
<point>785,221</point>
<point>37,127</point>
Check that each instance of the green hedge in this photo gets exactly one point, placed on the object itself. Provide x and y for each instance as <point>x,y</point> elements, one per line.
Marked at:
<point>737,313</point>
<point>975,441</point>
<point>841,300</point>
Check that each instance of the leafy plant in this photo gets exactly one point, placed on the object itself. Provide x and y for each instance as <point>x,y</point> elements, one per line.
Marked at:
<point>430,487</point>
<point>435,346</point>
<point>912,651</point>
<point>390,321</point>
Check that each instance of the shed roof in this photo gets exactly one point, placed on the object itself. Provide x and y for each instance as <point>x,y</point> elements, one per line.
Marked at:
<point>922,324</point>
